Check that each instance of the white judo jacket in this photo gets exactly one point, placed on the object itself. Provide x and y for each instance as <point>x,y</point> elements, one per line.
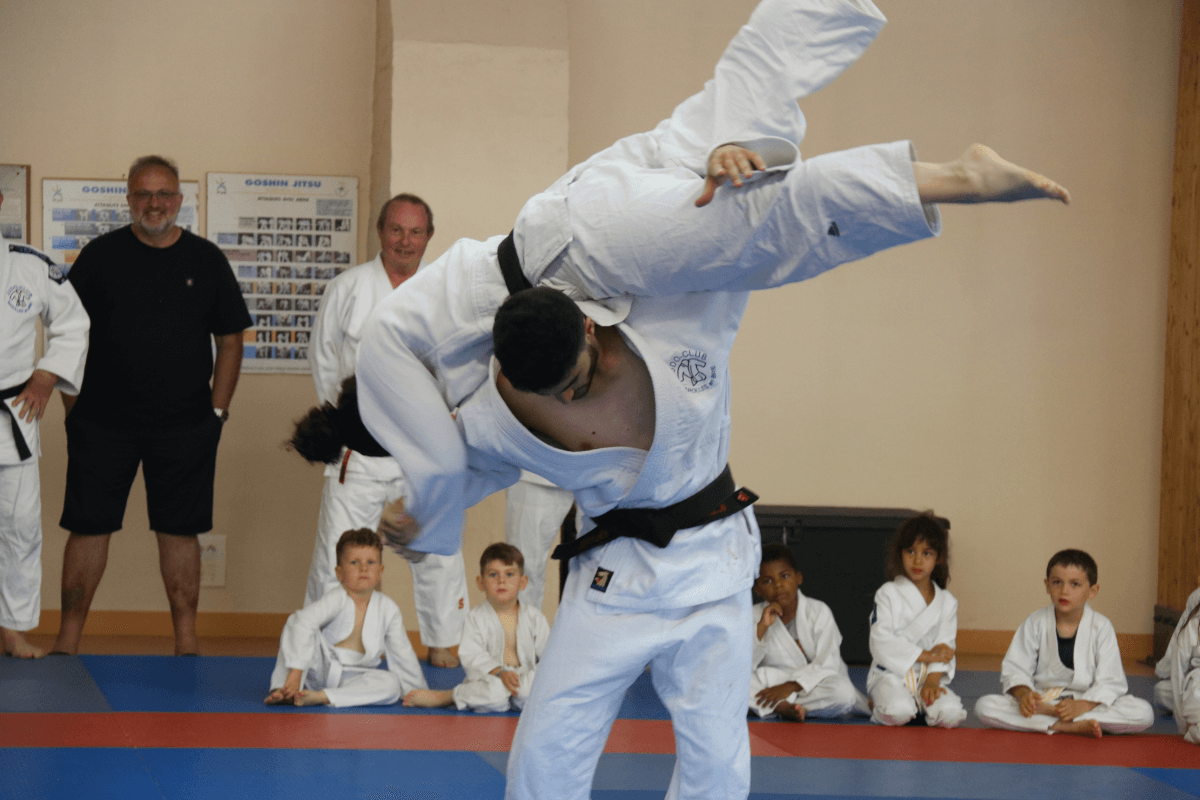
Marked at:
<point>818,655</point>
<point>36,288</point>
<point>482,646</point>
<point>902,626</point>
<point>1032,658</point>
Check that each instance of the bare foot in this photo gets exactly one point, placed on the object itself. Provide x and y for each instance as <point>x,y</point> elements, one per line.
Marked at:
<point>1081,727</point>
<point>17,646</point>
<point>277,698</point>
<point>306,698</point>
<point>442,657</point>
<point>429,698</point>
<point>981,176</point>
<point>791,711</point>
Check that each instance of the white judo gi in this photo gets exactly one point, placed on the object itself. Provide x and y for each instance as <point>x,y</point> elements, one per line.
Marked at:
<point>1185,676</point>
<point>348,677</point>
<point>358,487</point>
<point>902,626</point>
<point>1164,695</point>
<point>34,288</point>
<point>807,651</point>
<point>1032,660</point>
<point>482,650</point>
<point>624,223</point>
<point>534,510</point>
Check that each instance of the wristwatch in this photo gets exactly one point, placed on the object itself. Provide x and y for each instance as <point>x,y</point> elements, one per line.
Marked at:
<point>222,414</point>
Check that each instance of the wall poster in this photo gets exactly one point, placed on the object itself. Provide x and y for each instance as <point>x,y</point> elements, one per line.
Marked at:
<point>76,211</point>
<point>14,212</point>
<point>286,237</point>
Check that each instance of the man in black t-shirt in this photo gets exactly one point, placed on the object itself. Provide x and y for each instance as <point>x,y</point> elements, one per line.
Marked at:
<point>158,296</point>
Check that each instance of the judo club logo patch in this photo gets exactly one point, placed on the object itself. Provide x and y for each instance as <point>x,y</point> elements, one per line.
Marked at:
<point>694,371</point>
<point>20,298</point>
<point>603,576</point>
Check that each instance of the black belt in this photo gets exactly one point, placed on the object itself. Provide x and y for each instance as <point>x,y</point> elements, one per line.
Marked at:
<point>18,437</point>
<point>718,500</point>
<point>510,266</point>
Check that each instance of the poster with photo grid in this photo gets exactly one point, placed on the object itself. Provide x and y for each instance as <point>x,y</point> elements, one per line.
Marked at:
<point>286,237</point>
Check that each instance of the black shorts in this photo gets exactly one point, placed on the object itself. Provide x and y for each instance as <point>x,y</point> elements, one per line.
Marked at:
<point>178,465</point>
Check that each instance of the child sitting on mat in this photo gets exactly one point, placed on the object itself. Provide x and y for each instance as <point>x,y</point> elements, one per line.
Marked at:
<point>798,667</point>
<point>1062,672</point>
<point>330,651</point>
<point>913,628</point>
<point>1179,692</point>
<point>501,643</point>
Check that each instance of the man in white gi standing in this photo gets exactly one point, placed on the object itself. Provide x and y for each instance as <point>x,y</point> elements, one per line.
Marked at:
<point>359,486</point>
<point>34,287</point>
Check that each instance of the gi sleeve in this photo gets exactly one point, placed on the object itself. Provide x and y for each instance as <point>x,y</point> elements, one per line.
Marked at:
<point>66,324</point>
<point>477,660</point>
<point>541,632</point>
<point>1109,681</point>
<point>299,643</point>
<point>826,660</point>
<point>1020,662</point>
<point>889,649</point>
<point>947,634</point>
<point>328,338</point>
<point>401,660</point>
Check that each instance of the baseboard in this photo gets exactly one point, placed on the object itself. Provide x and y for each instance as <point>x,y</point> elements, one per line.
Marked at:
<point>1133,645</point>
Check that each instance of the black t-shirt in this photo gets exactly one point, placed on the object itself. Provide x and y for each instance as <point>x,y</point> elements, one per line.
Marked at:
<point>1066,651</point>
<point>149,360</point>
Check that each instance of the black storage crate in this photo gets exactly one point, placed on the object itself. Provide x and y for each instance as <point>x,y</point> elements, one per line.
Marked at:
<point>841,554</point>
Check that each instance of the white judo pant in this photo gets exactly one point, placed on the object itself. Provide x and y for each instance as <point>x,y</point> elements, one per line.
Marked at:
<point>699,660</point>
<point>489,694</point>
<point>20,546</point>
<point>1127,714</point>
<point>835,696</point>
<point>345,682</point>
<point>533,515</point>
<point>1165,697</point>
<point>897,702</point>
<point>439,582</point>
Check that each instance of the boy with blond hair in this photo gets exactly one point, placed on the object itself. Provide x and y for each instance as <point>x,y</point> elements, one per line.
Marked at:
<point>501,644</point>
<point>330,650</point>
<point>1062,672</point>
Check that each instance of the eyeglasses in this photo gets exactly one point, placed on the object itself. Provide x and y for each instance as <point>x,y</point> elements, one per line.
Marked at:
<point>142,196</point>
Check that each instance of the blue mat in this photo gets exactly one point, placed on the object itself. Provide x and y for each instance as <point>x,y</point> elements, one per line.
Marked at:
<point>55,684</point>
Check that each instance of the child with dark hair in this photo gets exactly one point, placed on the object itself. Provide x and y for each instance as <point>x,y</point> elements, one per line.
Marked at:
<point>1062,672</point>
<point>502,641</point>
<point>913,628</point>
<point>330,651</point>
<point>798,667</point>
<point>1179,692</point>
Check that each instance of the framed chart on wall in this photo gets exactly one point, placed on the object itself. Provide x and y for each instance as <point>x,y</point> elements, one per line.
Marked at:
<point>286,237</point>
<point>14,212</point>
<point>77,210</point>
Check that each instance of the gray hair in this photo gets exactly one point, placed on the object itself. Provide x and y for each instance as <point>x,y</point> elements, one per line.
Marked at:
<point>145,162</point>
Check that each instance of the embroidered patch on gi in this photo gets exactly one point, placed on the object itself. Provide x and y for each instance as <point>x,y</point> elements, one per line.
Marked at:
<point>694,371</point>
<point>833,230</point>
<point>603,576</point>
<point>460,603</point>
<point>20,298</point>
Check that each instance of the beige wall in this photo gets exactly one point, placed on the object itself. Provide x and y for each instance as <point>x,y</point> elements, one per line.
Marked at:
<point>1007,375</point>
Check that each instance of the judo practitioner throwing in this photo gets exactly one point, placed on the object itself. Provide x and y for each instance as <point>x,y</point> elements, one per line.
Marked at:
<point>611,379</point>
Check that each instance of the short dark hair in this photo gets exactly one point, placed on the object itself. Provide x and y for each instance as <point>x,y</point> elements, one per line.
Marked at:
<point>924,527</point>
<point>779,552</point>
<point>405,197</point>
<point>537,335</point>
<point>503,552</point>
<point>321,433</point>
<point>359,537</point>
<point>146,162</point>
<point>1075,558</point>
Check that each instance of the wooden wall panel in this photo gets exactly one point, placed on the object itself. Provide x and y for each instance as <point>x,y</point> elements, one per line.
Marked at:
<point>1179,528</point>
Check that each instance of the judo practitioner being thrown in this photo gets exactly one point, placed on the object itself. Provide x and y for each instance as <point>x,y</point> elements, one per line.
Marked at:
<point>612,379</point>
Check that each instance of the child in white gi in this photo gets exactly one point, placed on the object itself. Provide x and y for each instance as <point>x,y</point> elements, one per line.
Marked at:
<point>501,643</point>
<point>798,667</point>
<point>913,628</point>
<point>1062,672</point>
<point>330,650</point>
<point>1179,693</point>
